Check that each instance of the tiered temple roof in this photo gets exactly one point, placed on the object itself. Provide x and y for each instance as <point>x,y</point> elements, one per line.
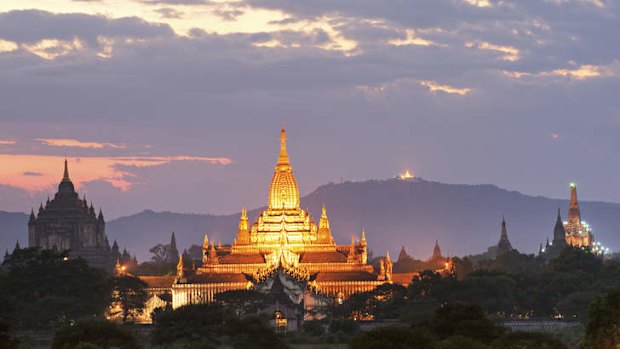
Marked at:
<point>67,222</point>
<point>282,236</point>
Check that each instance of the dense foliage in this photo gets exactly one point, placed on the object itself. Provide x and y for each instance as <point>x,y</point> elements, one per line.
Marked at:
<point>129,296</point>
<point>521,285</point>
<point>96,333</point>
<point>453,326</point>
<point>44,288</point>
<point>603,327</point>
<point>210,326</point>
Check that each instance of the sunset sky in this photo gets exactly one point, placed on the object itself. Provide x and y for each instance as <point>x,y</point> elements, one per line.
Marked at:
<point>177,104</point>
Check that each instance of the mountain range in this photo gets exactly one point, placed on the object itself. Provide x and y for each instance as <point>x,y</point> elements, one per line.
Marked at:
<point>465,219</point>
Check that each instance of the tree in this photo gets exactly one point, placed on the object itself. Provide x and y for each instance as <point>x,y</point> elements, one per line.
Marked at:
<point>603,326</point>
<point>574,258</point>
<point>253,332</point>
<point>156,269</point>
<point>465,320</point>
<point>575,305</point>
<point>129,295</point>
<point>98,333</point>
<point>422,284</point>
<point>395,337</point>
<point>6,339</point>
<point>459,342</point>
<point>527,340</point>
<point>46,288</point>
<point>388,301</point>
<point>241,302</point>
<point>418,311</point>
<point>160,253</point>
<point>199,323</point>
<point>313,327</point>
<point>346,326</point>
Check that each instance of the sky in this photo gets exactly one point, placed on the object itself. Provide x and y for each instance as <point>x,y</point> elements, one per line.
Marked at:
<point>176,105</point>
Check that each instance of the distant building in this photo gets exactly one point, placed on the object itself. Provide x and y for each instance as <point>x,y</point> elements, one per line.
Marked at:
<point>406,175</point>
<point>172,254</point>
<point>68,223</point>
<point>574,232</point>
<point>578,232</point>
<point>406,267</point>
<point>553,249</point>
<point>503,246</point>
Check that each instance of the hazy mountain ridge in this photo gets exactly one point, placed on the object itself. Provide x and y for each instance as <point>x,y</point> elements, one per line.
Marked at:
<point>13,227</point>
<point>464,218</point>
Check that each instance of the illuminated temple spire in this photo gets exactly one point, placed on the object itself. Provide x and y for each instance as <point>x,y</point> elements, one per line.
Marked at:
<point>283,193</point>
<point>283,161</point>
<point>574,213</point>
<point>243,233</point>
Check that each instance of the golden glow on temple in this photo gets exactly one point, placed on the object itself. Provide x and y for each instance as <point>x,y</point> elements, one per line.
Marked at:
<point>282,249</point>
<point>283,254</point>
<point>406,175</point>
<point>578,232</point>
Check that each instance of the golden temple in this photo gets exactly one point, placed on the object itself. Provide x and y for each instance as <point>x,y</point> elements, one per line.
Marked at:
<point>284,243</point>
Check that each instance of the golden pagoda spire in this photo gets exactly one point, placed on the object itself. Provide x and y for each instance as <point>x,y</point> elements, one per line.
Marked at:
<point>574,214</point>
<point>283,161</point>
<point>352,256</point>
<point>180,268</point>
<point>205,249</point>
<point>283,193</point>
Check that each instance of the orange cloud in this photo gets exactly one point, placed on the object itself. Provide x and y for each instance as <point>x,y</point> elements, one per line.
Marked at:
<point>65,142</point>
<point>582,72</point>
<point>6,142</point>
<point>433,86</point>
<point>16,170</point>
<point>510,53</point>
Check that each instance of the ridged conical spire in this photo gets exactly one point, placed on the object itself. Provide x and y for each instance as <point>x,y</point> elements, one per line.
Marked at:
<point>180,267</point>
<point>173,242</point>
<point>403,254</point>
<point>283,161</point>
<point>66,186</point>
<point>504,244</point>
<point>65,176</point>
<point>283,192</point>
<point>559,233</point>
<point>436,251</point>
<point>574,213</point>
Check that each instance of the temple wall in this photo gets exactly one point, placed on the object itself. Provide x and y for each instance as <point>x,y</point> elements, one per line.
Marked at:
<point>347,288</point>
<point>185,294</point>
<point>311,267</point>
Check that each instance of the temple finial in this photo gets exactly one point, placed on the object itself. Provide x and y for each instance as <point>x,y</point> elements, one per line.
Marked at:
<point>574,213</point>
<point>65,176</point>
<point>283,161</point>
